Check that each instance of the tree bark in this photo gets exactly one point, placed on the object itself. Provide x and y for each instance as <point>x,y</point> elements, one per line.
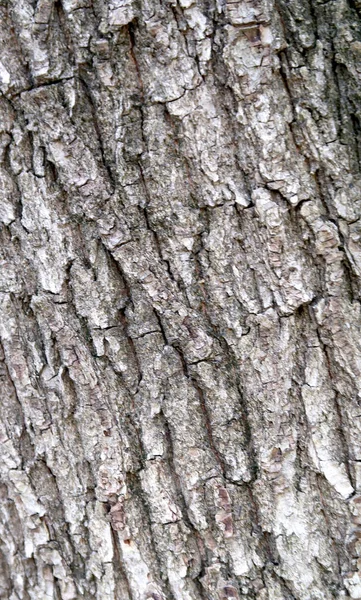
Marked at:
<point>180,300</point>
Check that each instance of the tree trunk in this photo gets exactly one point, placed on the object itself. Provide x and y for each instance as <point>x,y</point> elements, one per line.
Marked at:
<point>180,300</point>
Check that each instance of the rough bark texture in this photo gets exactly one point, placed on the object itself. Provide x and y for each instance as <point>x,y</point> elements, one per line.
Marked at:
<point>180,300</point>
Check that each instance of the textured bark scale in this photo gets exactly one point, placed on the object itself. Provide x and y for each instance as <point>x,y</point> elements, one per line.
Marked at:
<point>180,274</point>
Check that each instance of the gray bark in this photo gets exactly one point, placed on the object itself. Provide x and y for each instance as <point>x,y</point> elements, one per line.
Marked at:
<point>180,300</point>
